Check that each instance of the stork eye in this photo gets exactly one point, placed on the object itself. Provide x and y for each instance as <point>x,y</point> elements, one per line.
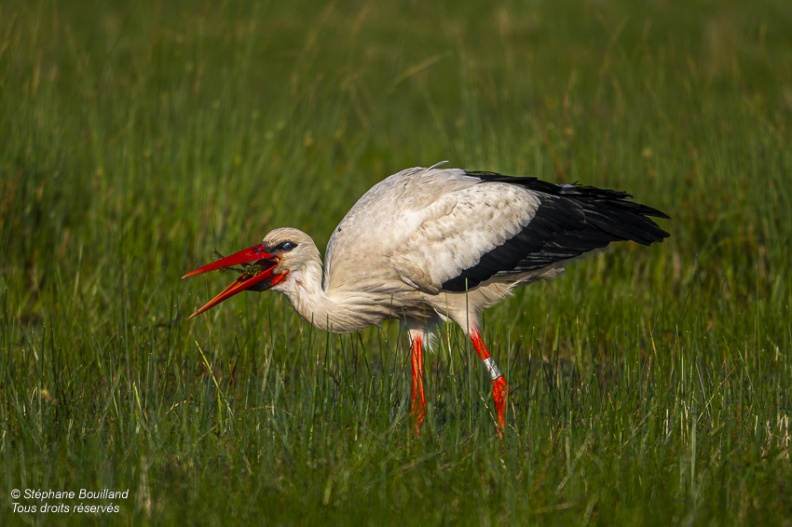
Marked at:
<point>287,246</point>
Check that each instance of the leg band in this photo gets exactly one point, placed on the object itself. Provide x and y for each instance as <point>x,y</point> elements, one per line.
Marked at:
<point>492,368</point>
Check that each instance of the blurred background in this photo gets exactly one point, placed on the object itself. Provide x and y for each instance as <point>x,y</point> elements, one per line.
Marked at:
<point>136,137</point>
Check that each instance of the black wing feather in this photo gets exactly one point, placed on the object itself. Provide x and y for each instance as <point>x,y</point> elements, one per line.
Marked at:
<point>571,220</point>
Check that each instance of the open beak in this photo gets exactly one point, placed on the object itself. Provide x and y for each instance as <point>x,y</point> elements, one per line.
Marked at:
<point>257,273</point>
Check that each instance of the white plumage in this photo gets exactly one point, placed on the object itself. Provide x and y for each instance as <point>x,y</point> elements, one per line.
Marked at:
<point>431,244</point>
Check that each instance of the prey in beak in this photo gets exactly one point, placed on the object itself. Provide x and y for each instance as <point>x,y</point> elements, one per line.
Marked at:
<point>256,266</point>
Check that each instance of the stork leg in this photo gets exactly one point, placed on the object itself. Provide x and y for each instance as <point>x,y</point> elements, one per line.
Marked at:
<point>499,387</point>
<point>418,399</point>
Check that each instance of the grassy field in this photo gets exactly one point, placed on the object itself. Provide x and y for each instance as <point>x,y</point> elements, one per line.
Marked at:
<point>649,386</point>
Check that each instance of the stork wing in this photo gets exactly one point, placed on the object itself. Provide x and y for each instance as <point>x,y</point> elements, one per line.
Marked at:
<point>450,230</point>
<point>450,237</point>
<point>507,226</point>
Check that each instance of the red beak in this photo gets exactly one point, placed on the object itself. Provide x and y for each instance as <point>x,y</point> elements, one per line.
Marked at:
<point>257,266</point>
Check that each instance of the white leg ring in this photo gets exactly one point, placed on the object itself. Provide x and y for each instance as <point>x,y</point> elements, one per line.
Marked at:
<point>494,372</point>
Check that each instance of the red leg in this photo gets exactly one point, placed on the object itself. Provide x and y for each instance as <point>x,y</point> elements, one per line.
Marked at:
<point>418,407</point>
<point>499,387</point>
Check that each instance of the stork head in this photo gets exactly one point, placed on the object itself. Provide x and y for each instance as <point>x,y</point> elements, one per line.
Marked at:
<point>263,266</point>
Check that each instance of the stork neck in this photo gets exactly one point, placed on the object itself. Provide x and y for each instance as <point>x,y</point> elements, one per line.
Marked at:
<point>338,312</point>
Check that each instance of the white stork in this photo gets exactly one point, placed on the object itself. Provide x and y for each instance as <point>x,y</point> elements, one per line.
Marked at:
<point>434,244</point>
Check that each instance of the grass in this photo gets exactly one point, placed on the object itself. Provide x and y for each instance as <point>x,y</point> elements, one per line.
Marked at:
<point>649,386</point>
